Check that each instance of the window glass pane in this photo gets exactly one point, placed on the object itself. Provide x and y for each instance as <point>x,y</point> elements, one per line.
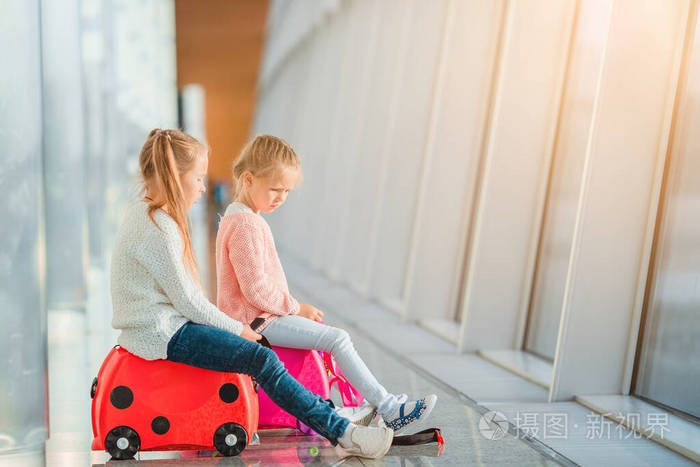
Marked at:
<point>669,364</point>
<point>23,395</point>
<point>567,169</point>
<point>64,156</point>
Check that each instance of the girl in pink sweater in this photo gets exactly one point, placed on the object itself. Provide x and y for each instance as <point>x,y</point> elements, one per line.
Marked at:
<point>252,285</point>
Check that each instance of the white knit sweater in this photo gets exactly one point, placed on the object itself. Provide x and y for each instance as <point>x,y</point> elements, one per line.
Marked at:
<point>153,295</point>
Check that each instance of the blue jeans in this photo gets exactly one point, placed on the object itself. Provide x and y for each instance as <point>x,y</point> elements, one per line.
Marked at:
<point>215,349</point>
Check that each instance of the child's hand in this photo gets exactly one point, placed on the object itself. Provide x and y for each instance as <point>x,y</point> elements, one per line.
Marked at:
<point>310,312</point>
<point>248,333</point>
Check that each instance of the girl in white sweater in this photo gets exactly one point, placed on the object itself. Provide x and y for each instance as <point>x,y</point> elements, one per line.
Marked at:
<point>161,310</point>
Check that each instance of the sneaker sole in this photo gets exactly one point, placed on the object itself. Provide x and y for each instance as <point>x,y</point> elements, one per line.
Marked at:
<point>344,453</point>
<point>412,426</point>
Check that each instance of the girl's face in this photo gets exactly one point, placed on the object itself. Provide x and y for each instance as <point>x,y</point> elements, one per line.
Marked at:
<point>192,181</point>
<point>268,193</point>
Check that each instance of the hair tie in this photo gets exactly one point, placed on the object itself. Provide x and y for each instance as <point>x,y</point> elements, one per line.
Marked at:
<point>164,132</point>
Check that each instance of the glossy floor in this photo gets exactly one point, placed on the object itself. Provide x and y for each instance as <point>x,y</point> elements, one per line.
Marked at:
<point>75,356</point>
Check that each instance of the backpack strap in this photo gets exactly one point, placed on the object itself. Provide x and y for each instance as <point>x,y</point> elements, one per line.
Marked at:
<point>351,397</point>
<point>430,435</point>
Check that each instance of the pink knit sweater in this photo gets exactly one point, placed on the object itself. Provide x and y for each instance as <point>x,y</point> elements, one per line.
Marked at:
<point>250,279</point>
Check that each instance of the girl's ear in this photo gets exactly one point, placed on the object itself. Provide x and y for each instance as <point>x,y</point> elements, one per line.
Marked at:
<point>248,177</point>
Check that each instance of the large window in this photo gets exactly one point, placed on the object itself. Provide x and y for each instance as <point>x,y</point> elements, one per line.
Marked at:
<point>667,369</point>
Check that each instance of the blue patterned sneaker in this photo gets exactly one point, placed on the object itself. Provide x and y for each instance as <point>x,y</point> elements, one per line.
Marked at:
<point>409,414</point>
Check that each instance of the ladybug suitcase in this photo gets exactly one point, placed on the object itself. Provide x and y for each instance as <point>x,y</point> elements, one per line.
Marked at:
<point>142,405</point>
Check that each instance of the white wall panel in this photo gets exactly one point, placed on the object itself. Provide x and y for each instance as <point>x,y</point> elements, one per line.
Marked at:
<point>365,28</point>
<point>405,149</point>
<point>287,92</point>
<point>449,177</point>
<point>336,182</point>
<point>315,155</point>
<point>340,44</point>
<point>565,182</point>
<point>288,218</point>
<point>289,23</point>
<point>391,46</point>
<point>518,151</point>
<point>305,198</point>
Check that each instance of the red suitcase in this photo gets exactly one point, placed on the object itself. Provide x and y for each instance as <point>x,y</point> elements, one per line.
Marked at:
<point>142,405</point>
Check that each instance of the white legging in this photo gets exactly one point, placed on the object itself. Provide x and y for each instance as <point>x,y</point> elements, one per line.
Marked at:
<point>301,333</point>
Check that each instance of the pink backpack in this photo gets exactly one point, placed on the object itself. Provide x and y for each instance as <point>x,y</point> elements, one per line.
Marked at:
<point>312,369</point>
<point>307,367</point>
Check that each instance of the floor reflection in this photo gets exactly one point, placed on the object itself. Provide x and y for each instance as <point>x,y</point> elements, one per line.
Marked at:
<point>278,447</point>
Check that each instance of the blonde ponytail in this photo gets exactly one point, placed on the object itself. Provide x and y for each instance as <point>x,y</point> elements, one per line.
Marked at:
<point>166,154</point>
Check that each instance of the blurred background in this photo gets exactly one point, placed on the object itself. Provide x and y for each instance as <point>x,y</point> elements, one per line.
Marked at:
<point>519,179</point>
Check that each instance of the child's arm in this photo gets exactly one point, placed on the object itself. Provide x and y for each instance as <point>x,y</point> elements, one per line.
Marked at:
<point>161,255</point>
<point>247,252</point>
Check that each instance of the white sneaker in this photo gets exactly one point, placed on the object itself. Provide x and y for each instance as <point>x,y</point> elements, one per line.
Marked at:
<point>361,415</point>
<point>371,442</point>
<point>410,414</point>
